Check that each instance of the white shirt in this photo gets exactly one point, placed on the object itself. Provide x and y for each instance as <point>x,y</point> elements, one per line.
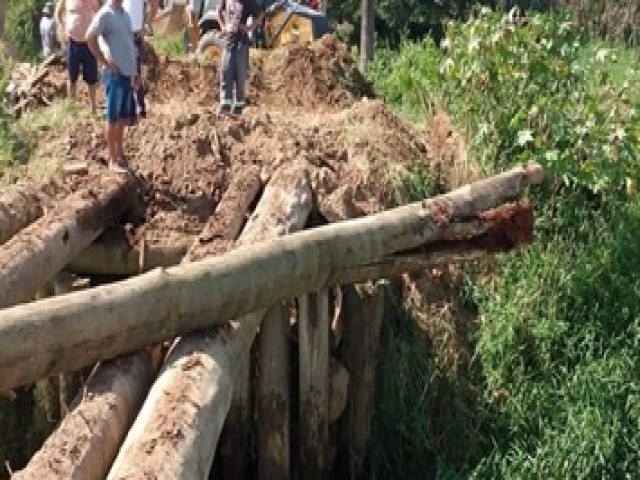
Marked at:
<point>135,9</point>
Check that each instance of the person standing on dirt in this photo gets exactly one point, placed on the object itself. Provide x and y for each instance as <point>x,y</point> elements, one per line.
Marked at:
<point>136,11</point>
<point>116,52</point>
<point>47,30</point>
<point>74,17</point>
<point>233,16</point>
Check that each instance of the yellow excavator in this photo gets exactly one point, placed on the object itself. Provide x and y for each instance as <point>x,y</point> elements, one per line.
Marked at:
<point>285,22</point>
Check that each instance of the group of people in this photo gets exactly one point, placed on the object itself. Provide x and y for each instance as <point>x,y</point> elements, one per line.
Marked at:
<point>102,42</point>
<point>106,41</point>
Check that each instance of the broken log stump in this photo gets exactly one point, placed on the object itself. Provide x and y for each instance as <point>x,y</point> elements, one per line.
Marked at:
<point>186,408</point>
<point>34,255</point>
<point>313,347</point>
<point>106,321</point>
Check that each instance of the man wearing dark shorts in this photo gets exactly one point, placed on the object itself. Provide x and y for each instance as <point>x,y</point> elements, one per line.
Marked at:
<point>117,54</point>
<point>233,16</point>
<point>74,17</point>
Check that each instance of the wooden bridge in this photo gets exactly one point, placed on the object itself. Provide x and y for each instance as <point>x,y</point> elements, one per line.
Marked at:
<point>174,389</point>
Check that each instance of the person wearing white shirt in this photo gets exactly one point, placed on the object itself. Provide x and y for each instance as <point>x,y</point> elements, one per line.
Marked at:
<point>136,11</point>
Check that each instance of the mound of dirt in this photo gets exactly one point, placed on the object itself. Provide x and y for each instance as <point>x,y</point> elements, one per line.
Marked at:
<point>319,75</point>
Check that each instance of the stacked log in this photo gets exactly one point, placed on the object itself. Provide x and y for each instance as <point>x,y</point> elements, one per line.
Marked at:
<point>110,320</point>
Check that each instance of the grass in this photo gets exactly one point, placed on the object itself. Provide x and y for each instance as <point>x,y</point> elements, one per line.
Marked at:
<point>170,45</point>
<point>552,386</point>
<point>33,128</point>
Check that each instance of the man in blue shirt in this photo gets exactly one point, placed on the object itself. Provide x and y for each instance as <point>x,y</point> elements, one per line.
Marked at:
<point>116,52</point>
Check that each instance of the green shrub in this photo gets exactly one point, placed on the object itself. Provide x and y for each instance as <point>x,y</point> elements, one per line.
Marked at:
<point>22,31</point>
<point>556,348</point>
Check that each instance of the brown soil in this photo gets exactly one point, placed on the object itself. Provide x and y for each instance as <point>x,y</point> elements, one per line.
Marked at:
<point>305,102</point>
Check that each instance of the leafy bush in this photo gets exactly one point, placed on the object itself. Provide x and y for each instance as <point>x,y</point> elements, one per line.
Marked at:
<point>22,27</point>
<point>556,348</point>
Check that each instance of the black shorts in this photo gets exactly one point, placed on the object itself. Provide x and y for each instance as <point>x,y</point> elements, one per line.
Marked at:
<point>79,56</point>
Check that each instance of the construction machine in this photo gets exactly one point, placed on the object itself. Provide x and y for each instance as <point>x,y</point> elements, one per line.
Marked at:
<point>285,22</point>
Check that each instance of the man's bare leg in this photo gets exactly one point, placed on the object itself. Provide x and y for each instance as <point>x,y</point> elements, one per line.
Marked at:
<point>112,142</point>
<point>72,90</point>
<point>120,143</point>
<point>92,98</point>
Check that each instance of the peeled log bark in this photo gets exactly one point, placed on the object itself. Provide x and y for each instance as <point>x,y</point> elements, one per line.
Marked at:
<point>32,257</point>
<point>19,206</point>
<point>313,343</point>
<point>273,396</point>
<point>106,321</point>
<point>178,427</point>
<point>84,445</point>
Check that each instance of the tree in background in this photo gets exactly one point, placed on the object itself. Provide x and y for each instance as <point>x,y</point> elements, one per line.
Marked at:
<point>21,27</point>
<point>3,13</point>
<point>367,34</point>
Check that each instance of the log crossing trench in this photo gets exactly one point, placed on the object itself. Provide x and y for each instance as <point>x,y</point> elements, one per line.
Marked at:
<point>217,314</point>
<point>174,391</point>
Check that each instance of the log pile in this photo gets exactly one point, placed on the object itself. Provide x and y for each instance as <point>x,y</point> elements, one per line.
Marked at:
<point>215,302</point>
<point>35,86</point>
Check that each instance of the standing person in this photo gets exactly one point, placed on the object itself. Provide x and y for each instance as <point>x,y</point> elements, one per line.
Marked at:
<point>74,17</point>
<point>117,55</point>
<point>47,30</point>
<point>233,16</point>
<point>136,11</point>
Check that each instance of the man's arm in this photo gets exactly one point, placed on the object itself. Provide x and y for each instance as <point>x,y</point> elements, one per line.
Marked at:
<point>220,14</point>
<point>60,9</point>
<point>94,31</point>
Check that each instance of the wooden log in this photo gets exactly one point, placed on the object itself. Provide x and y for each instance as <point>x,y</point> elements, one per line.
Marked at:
<point>273,402</point>
<point>313,347</point>
<point>364,311</point>
<point>88,438</point>
<point>179,425</point>
<point>123,259</point>
<point>124,382</point>
<point>37,253</point>
<point>20,205</point>
<point>106,321</point>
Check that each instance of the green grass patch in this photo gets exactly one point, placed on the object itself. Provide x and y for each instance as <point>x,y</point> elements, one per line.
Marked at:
<point>556,367</point>
<point>170,45</point>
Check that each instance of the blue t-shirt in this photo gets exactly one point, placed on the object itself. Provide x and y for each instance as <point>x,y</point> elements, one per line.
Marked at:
<point>113,26</point>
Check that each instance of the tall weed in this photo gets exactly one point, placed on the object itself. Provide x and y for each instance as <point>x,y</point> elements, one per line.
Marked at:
<point>556,348</point>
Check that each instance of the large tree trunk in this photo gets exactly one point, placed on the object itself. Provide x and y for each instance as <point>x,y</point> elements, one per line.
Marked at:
<point>367,33</point>
<point>19,206</point>
<point>186,408</point>
<point>32,257</point>
<point>106,321</point>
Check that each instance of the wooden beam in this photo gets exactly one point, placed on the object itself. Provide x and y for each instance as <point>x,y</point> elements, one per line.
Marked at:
<point>273,401</point>
<point>364,311</point>
<point>313,345</point>
<point>54,335</point>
